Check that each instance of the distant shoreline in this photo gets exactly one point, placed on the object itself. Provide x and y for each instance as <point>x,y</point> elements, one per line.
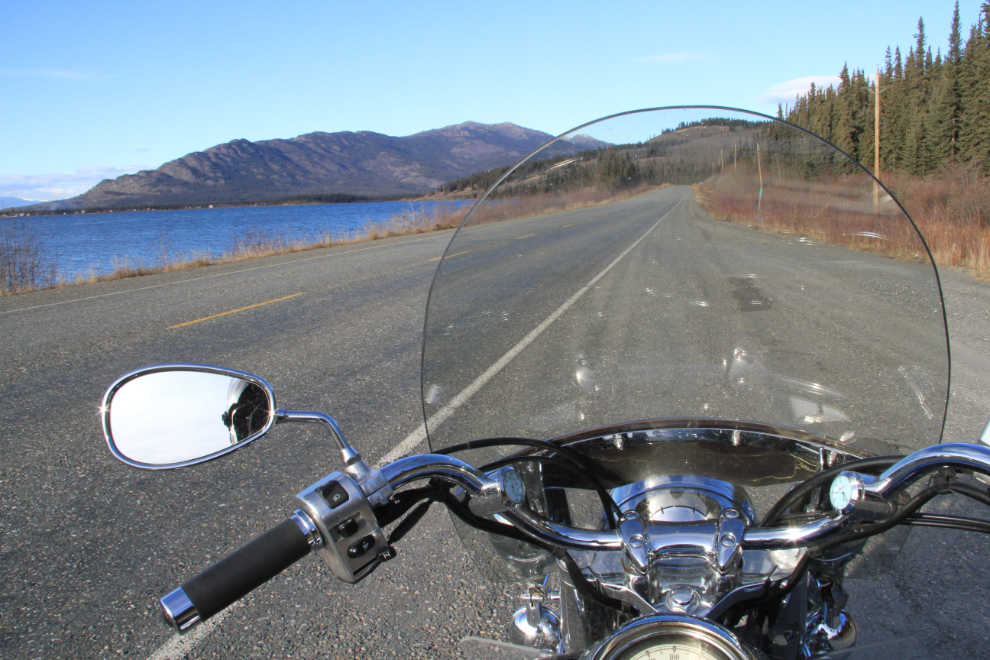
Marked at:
<point>440,217</point>
<point>296,200</point>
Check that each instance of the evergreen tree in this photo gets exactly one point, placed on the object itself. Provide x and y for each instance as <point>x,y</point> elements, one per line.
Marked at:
<point>934,110</point>
<point>893,118</point>
<point>845,132</point>
<point>976,94</point>
<point>946,122</point>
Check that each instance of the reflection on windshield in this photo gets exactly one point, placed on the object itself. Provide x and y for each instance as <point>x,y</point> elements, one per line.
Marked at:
<point>590,291</point>
<point>697,269</point>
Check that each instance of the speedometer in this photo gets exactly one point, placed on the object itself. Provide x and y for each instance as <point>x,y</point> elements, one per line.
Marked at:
<point>672,637</point>
<point>675,646</point>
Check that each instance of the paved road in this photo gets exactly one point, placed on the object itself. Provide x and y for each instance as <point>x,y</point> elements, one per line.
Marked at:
<point>672,314</point>
<point>87,544</point>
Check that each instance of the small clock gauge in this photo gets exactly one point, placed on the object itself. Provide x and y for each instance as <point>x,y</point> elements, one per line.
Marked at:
<point>845,492</point>
<point>515,489</point>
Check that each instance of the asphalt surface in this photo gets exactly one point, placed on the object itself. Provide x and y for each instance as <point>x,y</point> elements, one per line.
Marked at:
<point>87,544</point>
<point>700,318</point>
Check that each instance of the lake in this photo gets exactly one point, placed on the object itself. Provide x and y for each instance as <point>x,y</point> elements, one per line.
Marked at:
<point>80,243</point>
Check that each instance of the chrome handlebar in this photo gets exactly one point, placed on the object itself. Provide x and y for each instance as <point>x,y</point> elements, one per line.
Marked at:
<point>488,493</point>
<point>953,456</point>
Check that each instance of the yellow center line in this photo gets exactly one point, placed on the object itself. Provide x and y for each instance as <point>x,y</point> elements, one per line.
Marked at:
<point>207,318</point>
<point>450,255</point>
<point>565,226</point>
<point>526,236</point>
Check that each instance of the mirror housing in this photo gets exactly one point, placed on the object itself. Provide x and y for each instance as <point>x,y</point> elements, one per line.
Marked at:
<point>173,415</point>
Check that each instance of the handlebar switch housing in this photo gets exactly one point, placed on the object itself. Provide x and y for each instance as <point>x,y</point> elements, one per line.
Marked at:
<point>352,539</point>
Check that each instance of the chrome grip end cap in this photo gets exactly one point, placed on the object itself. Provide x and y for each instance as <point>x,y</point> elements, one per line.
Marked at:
<point>179,612</point>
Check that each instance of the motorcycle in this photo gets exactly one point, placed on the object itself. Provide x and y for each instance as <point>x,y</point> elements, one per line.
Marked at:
<point>684,371</point>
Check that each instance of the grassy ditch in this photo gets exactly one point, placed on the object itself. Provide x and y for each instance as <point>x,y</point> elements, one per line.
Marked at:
<point>952,213</point>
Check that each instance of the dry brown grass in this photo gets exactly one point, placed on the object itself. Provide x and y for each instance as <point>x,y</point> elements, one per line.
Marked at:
<point>525,206</point>
<point>951,214</point>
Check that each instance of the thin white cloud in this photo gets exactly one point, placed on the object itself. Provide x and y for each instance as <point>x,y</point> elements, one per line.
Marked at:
<point>786,92</point>
<point>46,187</point>
<point>70,75</point>
<point>674,58</point>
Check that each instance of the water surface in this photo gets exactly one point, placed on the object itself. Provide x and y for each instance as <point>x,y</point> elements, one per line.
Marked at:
<point>84,242</point>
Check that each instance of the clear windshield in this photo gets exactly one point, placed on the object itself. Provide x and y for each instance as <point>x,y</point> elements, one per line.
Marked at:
<point>703,264</point>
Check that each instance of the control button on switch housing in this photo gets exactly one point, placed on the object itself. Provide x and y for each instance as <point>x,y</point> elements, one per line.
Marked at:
<point>348,528</point>
<point>335,495</point>
<point>361,547</point>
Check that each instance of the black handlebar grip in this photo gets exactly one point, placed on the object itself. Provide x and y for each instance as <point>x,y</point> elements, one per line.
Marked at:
<point>236,575</point>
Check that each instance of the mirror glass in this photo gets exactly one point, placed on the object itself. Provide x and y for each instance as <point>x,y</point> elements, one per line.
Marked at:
<point>172,417</point>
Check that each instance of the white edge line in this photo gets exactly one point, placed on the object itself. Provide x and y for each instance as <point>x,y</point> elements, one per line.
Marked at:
<point>181,645</point>
<point>207,277</point>
<point>178,646</point>
<point>440,416</point>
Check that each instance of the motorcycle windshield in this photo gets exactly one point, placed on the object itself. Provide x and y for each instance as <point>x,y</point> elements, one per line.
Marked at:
<point>699,268</point>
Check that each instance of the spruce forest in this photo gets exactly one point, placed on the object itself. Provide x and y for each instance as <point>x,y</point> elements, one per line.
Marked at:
<point>934,109</point>
<point>934,135</point>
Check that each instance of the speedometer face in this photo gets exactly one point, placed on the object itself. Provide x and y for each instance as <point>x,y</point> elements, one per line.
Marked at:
<point>840,492</point>
<point>673,646</point>
<point>674,652</point>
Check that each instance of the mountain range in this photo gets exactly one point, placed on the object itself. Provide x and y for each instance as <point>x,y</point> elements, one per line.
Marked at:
<point>11,202</point>
<point>356,163</point>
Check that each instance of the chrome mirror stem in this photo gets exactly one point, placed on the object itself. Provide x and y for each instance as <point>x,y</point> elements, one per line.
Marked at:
<point>352,458</point>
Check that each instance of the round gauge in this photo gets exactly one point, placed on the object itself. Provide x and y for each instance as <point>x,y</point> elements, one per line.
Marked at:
<point>515,489</point>
<point>673,646</point>
<point>846,492</point>
<point>672,637</point>
<point>840,493</point>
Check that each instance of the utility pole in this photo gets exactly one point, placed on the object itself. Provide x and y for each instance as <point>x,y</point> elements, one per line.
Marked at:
<point>759,166</point>
<point>735,154</point>
<point>876,143</point>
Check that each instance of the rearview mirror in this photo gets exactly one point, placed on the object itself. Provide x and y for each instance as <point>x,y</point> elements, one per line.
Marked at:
<point>173,415</point>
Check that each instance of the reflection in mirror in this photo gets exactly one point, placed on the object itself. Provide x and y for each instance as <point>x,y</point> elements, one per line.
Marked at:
<point>170,417</point>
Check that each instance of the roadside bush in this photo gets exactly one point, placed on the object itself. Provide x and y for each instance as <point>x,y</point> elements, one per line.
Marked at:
<point>23,263</point>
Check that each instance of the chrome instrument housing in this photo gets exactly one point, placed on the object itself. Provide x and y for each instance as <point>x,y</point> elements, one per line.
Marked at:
<point>689,628</point>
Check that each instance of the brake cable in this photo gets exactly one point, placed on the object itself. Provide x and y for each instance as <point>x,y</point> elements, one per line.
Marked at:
<point>948,522</point>
<point>612,510</point>
<point>819,479</point>
<point>584,465</point>
<point>581,583</point>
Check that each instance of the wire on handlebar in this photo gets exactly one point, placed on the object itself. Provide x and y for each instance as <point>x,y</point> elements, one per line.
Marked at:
<point>575,456</point>
<point>948,522</point>
<point>581,583</point>
<point>908,514</point>
<point>973,492</point>
<point>584,587</point>
<point>912,505</point>
<point>409,522</point>
<point>730,610</point>
<point>402,502</point>
<point>582,464</point>
<point>813,482</point>
<point>612,511</point>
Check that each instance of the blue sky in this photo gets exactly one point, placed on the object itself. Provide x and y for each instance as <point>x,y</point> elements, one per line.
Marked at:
<point>97,89</point>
